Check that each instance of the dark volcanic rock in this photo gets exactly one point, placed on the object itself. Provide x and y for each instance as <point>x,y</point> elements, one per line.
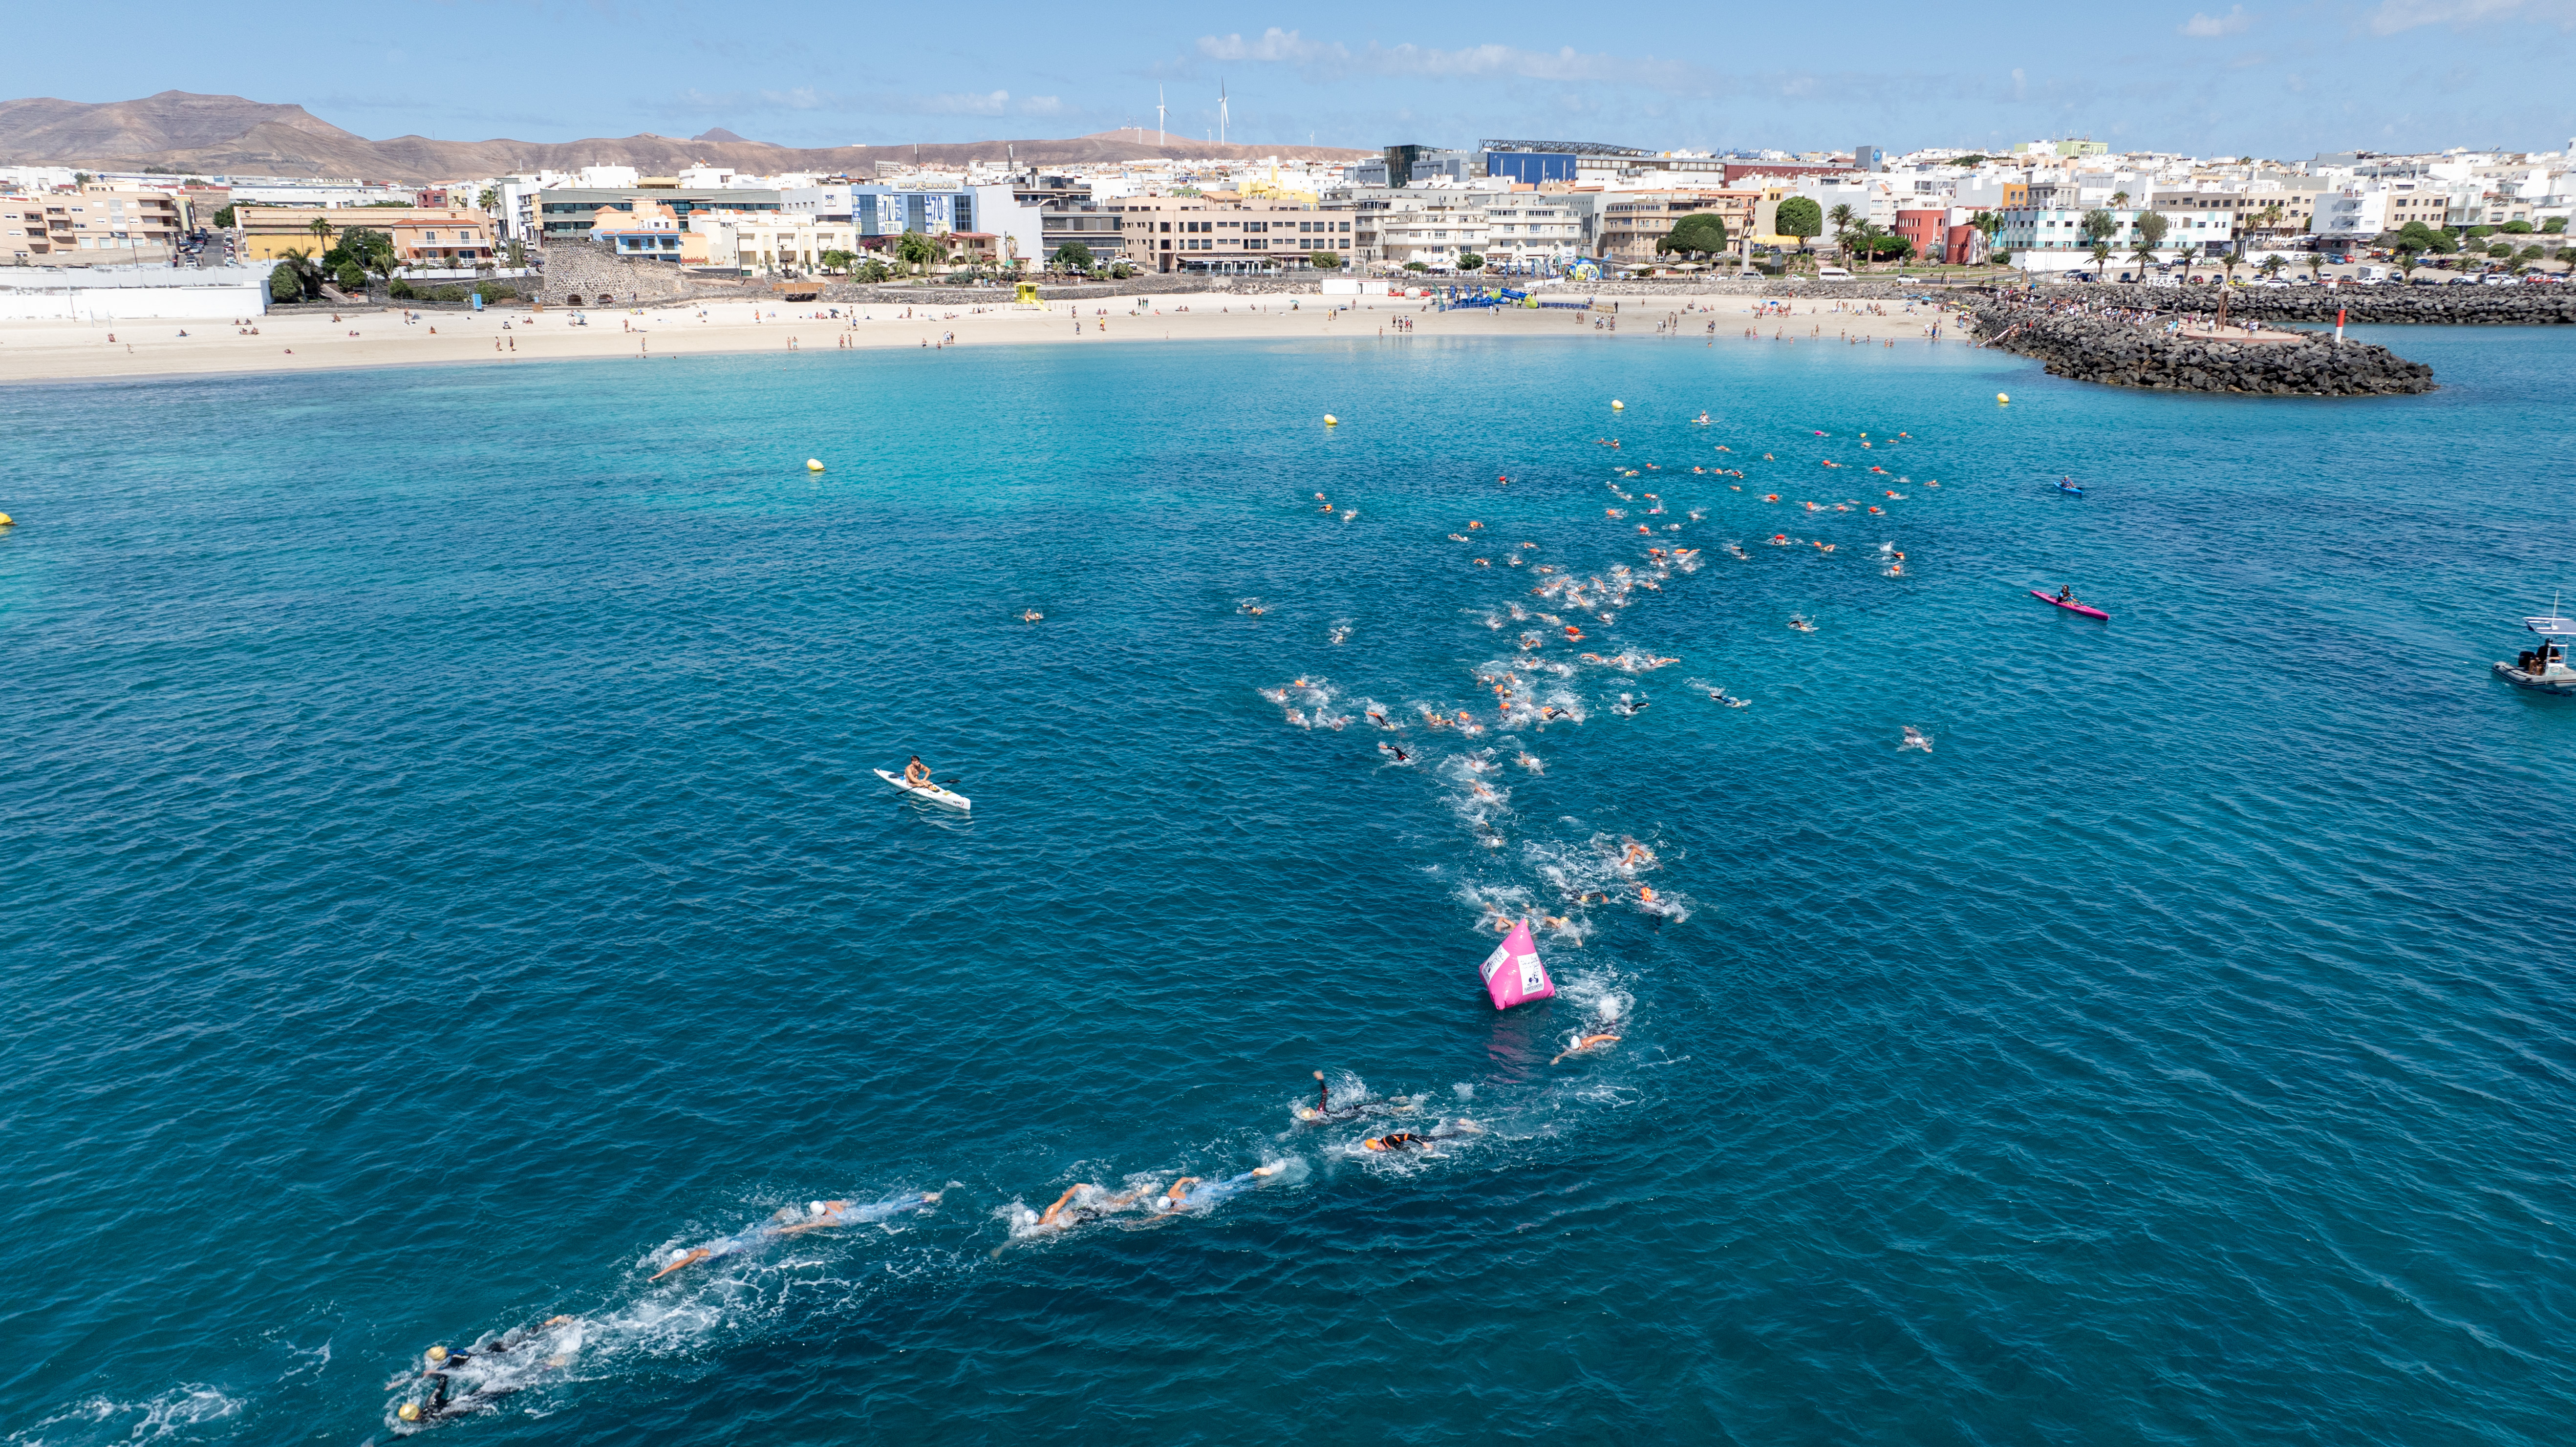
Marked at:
<point>2119,354</point>
<point>2504,306</point>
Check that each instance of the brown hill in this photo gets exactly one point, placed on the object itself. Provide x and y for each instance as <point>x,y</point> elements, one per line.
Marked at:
<point>178,131</point>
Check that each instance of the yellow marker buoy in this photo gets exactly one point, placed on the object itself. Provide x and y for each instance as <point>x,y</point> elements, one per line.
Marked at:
<point>1331,421</point>
<point>2000,398</point>
<point>813,465</point>
<point>1618,406</point>
<point>6,520</point>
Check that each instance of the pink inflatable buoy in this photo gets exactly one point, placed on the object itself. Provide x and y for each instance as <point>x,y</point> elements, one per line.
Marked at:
<point>1513,975</point>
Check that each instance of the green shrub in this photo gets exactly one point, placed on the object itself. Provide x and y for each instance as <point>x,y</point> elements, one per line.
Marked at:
<point>448,293</point>
<point>350,276</point>
<point>283,286</point>
<point>492,291</point>
<point>401,290</point>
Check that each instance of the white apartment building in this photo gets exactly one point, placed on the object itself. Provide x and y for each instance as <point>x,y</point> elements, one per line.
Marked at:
<point>1527,231</point>
<point>1432,227</point>
<point>763,240</point>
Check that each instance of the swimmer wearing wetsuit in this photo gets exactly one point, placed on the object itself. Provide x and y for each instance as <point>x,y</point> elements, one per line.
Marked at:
<point>1405,1140</point>
<point>1323,1112</point>
<point>1190,1191</point>
<point>1060,1218</point>
<point>436,1405</point>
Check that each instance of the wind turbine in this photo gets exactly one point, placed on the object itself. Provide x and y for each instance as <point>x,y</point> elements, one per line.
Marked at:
<point>1220,112</point>
<point>1159,142</point>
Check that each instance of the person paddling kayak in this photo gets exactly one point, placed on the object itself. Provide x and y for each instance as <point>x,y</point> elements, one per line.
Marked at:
<point>916,773</point>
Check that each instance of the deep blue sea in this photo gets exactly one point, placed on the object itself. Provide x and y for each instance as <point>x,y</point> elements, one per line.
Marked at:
<point>445,879</point>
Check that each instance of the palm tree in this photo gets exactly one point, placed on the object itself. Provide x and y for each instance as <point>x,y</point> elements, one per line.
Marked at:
<point>2119,200</point>
<point>321,228</point>
<point>2101,260</point>
<point>2145,256</point>
<point>2271,267</point>
<point>1841,218</point>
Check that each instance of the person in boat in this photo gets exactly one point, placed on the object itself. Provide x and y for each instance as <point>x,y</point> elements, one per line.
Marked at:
<point>2065,594</point>
<point>917,773</point>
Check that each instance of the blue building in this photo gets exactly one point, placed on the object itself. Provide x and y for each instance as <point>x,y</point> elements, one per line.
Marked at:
<point>1530,167</point>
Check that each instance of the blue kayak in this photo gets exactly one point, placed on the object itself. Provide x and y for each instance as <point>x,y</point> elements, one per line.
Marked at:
<point>2070,487</point>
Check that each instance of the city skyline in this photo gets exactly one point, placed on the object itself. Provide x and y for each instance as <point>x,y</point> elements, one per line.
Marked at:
<point>2266,81</point>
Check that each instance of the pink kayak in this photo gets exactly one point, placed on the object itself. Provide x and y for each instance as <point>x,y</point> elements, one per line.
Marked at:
<point>2086,610</point>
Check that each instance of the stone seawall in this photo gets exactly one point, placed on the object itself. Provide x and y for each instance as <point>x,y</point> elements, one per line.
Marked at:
<point>2117,354</point>
<point>2506,306</point>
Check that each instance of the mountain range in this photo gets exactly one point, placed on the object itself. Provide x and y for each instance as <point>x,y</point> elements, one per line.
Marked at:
<point>180,131</point>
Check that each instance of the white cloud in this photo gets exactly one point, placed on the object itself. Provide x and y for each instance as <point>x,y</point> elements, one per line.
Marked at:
<point>1042,105</point>
<point>1288,47</point>
<point>2396,15</point>
<point>2210,27</point>
<point>992,103</point>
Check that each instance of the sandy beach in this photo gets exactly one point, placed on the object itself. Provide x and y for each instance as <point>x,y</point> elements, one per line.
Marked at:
<point>41,351</point>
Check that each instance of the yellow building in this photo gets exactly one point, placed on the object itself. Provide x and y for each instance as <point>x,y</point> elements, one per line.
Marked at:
<point>431,236</point>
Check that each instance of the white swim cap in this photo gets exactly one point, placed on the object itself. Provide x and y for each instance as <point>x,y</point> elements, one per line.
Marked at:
<point>816,1208</point>
<point>409,1411</point>
<point>676,1255</point>
<point>437,1354</point>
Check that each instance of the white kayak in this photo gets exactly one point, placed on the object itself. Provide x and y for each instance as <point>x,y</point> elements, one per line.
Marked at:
<point>931,793</point>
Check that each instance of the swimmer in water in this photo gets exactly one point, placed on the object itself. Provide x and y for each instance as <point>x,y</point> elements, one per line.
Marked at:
<point>1405,1140</point>
<point>916,773</point>
<point>1059,1218</point>
<point>1190,1191</point>
<point>1323,1111</point>
<point>435,1404</point>
<point>1586,1046</point>
<point>1637,854</point>
<point>1392,752</point>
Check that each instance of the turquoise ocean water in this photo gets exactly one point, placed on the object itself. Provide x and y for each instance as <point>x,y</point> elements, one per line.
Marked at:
<point>445,878</point>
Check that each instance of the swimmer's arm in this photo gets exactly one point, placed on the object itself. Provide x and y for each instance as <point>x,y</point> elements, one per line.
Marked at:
<point>692,1259</point>
<point>1052,1211</point>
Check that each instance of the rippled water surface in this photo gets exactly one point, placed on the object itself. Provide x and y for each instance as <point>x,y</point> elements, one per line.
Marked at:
<point>446,878</point>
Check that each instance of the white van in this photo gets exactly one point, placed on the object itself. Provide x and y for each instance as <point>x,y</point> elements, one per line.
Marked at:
<point>1832,273</point>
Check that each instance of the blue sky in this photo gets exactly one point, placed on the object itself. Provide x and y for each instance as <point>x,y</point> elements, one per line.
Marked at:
<point>2262,78</point>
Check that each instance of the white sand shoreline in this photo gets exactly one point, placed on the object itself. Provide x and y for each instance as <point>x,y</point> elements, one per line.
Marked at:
<point>35,352</point>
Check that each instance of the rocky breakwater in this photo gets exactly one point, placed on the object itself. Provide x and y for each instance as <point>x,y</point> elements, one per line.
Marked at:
<point>2123,354</point>
<point>2385,304</point>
